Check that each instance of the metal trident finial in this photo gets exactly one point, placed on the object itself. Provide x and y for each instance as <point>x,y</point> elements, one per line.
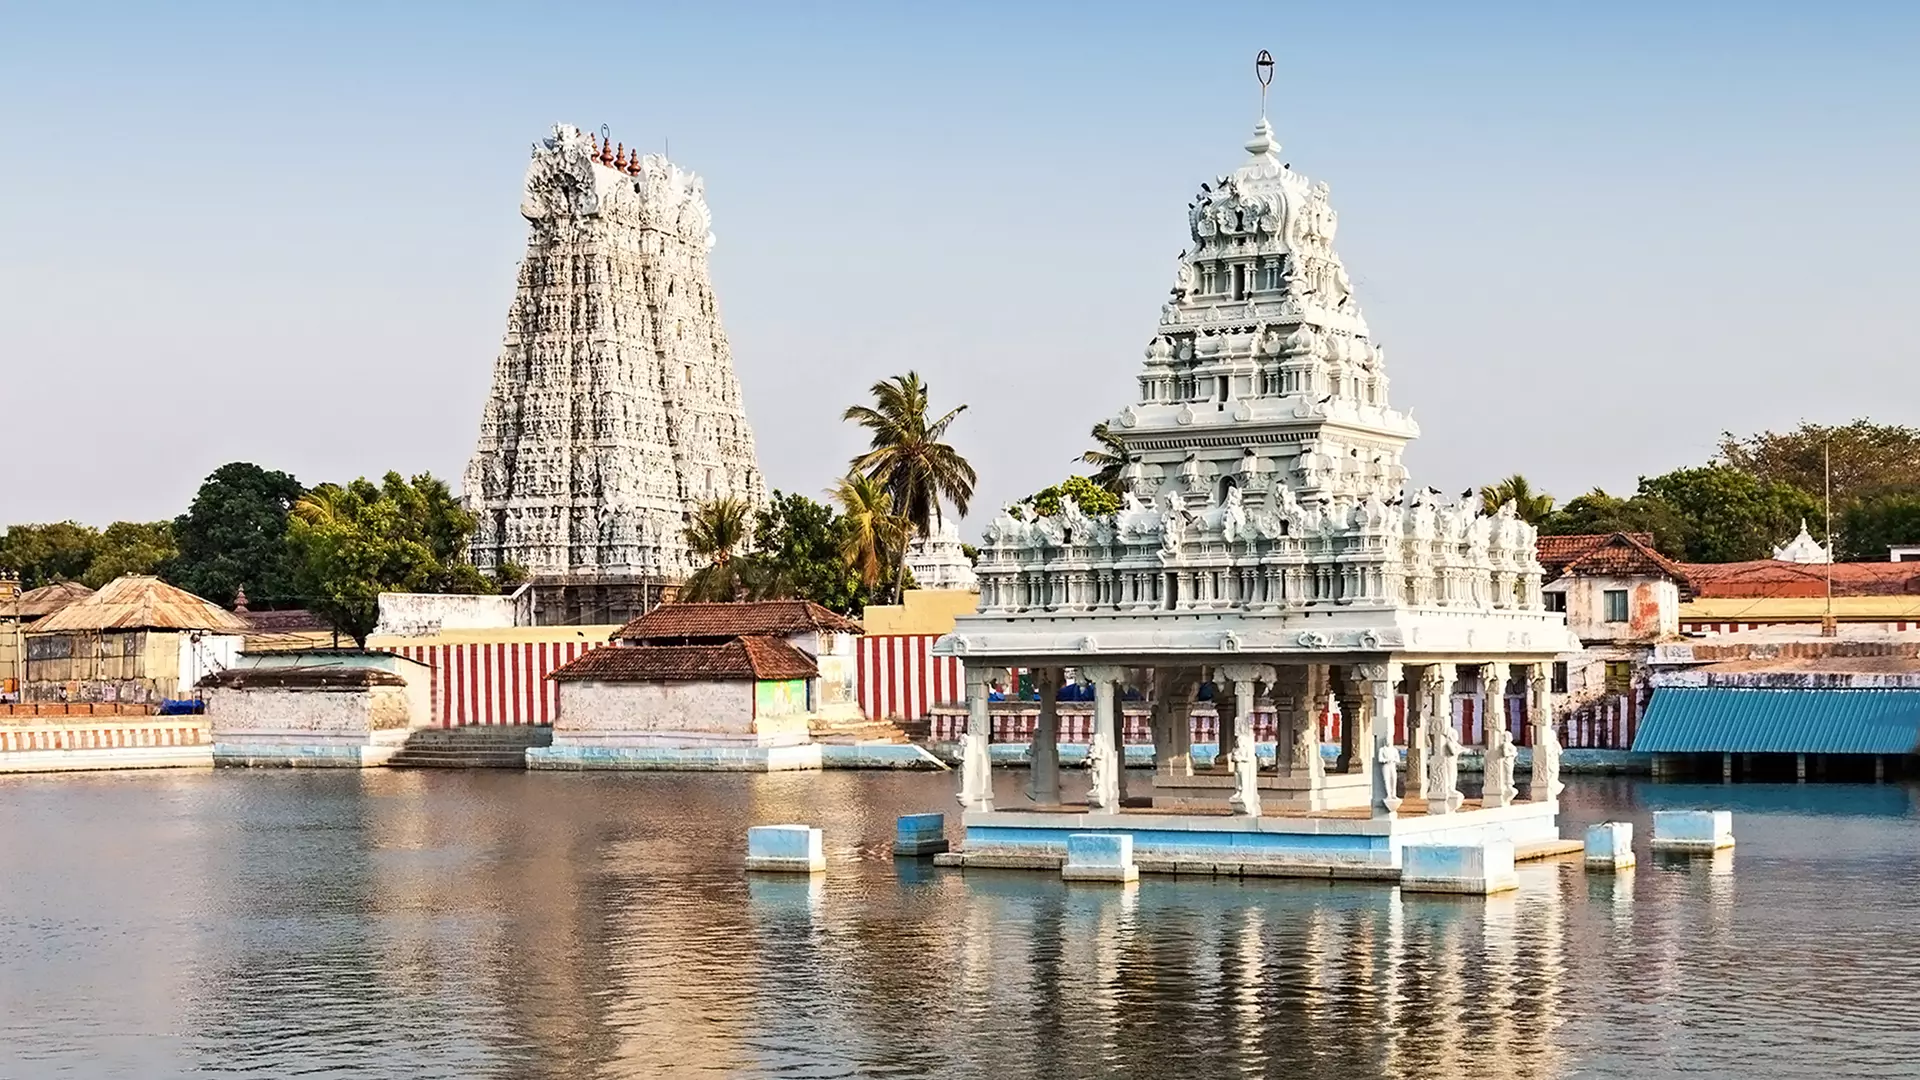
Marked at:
<point>1263,70</point>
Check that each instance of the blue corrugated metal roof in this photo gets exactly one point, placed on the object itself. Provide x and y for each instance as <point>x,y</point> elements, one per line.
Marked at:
<point>1686,720</point>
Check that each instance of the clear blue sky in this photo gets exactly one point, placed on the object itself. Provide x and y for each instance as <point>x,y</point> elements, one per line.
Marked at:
<point>1591,236</point>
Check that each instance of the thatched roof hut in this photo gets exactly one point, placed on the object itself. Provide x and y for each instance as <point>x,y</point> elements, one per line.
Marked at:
<point>139,602</point>
<point>44,601</point>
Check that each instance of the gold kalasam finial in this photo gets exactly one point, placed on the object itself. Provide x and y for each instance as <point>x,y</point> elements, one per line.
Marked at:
<point>1263,70</point>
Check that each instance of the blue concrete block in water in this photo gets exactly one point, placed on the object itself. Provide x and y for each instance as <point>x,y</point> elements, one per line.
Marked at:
<point>1609,846</point>
<point>920,834</point>
<point>1100,857</point>
<point>1478,869</point>
<point>789,849</point>
<point>1701,832</point>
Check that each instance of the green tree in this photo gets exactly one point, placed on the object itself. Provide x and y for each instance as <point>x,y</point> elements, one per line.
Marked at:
<point>1868,458</point>
<point>1110,458</point>
<point>1599,512</point>
<point>44,554</point>
<point>130,547</point>
<point>1870,526</point>
<point>1729,515</point>
<point>1532,506</point>
<point>350,544</point>
<point>234,536</point>
<point>910,457</point>
<point>797,553</point>
<point>715,533</point>
<point>871,536</point>
<point>1087,492</point>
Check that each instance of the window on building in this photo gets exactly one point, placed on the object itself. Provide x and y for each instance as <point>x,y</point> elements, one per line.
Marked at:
<point>1556,601</point>
<point>1559,677</point>
<point>1616,605</point>
<point>1619,676</point>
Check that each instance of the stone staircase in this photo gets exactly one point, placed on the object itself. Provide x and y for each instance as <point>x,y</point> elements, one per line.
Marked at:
<point>853,731</point>
<point>501,746</point>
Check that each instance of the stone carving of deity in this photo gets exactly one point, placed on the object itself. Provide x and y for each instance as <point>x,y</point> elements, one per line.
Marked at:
<point>1443,765</point>
<point>1388,762</point>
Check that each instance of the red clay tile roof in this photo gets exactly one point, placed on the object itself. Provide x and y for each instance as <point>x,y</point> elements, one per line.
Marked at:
<point>766,618</point>
<point>740,658</point>
<point>1773,578</point>
<point>1555,552</point>
<point>1624,555</point>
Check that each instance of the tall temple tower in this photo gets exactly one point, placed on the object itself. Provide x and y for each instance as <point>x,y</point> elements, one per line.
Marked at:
<point>614,409</point>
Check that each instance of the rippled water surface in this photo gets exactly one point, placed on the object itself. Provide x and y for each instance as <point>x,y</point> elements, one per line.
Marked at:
<point>496,924</point>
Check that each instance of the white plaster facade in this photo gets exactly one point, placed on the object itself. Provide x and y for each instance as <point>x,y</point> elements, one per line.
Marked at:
<point>669,714</point>
<point>1271,536</point>
<point>938,562</point>
<point>615,408</point>
<point>311,709</point>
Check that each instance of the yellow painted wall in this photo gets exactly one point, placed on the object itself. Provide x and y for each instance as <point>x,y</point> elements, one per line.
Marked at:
<point>1798,608</point>
<point>925,611</point>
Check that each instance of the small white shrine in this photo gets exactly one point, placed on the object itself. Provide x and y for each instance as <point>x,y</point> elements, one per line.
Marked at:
<point>1271,543</point>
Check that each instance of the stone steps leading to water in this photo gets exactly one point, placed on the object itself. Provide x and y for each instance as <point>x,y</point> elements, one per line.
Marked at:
<point>492,747</point>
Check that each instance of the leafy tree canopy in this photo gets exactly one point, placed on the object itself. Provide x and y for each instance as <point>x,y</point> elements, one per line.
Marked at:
<point>70,551</point>
<point>350,544</point>
<point>1532,506</point>
<point>234,536</point>
<point>797,552</point>
<point>1092,498</point>
<point>1868,458</point>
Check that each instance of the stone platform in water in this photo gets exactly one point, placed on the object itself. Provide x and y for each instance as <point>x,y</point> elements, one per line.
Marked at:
<point>1335,844</point>
<point>805,756</point>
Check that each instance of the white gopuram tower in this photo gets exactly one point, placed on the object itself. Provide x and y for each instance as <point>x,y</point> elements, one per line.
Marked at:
<point>1270,544</point>
<point>614,408</point>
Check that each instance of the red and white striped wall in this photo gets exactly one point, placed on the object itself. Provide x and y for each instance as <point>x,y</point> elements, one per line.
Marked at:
<point>495,682</point>
<point>1704,626</point>
<point>900,679</point>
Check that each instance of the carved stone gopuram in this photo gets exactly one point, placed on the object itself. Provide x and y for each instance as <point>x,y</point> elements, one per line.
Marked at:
<point>614,408</point>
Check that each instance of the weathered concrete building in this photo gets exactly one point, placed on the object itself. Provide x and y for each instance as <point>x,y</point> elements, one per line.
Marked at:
<point>335,709</point>
<point>136,640</point>
<point>614,408</point>
<point>740,686</point>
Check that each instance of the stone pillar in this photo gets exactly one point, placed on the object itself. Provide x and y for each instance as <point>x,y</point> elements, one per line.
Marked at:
<point>1425,697</point>
<point>1043,778</point>
<point>1378,681</point>
<point>1545,785</point>
<point>1498,789</point>
<point>1224,733</point>
<point>1353,709</point>
<point>1244,763</point>
<point>976,766</point>
<point>1103,788</point>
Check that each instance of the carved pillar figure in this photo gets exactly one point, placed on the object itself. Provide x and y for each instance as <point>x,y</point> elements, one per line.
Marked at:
<point>1545,785</point>
<point>1244,762</point>
<point>1103,765</point>
<point>976,767</point>
<point>1043,780</point>
<point>1443,761</point>
<point>1379,683</point>
<point>1498,789</point>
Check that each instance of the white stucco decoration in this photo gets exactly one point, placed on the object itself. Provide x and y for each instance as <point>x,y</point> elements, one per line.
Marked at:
<point>614,406</point>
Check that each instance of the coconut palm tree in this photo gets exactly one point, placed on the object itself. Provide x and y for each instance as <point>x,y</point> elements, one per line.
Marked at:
<point>1532,506</point>
<point>874,535</point>
<point>715,533</point>
<point>909,457</point>
<point>1110,457</point>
